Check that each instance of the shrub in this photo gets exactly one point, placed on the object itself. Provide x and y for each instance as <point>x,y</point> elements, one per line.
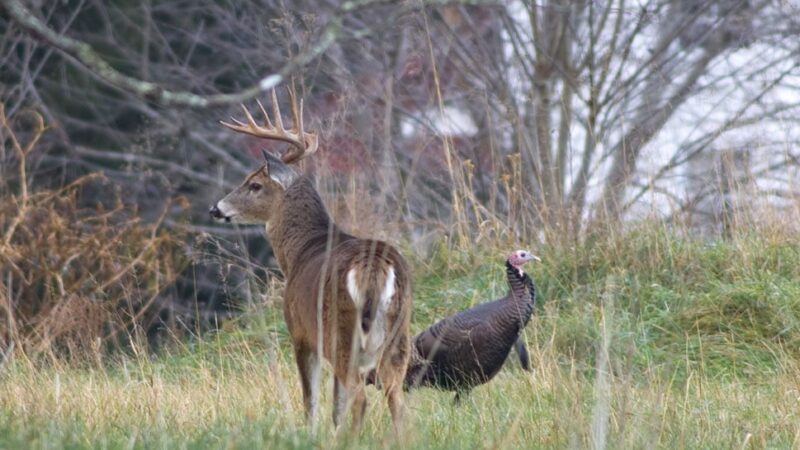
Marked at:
<point>76,280</point>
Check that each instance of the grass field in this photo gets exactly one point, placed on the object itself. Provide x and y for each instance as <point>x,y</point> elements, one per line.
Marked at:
<point>647,340</point>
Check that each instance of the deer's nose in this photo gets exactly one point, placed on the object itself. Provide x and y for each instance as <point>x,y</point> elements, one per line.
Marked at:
<point>216,213</point>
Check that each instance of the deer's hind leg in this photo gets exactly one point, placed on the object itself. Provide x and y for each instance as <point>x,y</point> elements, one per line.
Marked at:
<point>359,405</point>
<point>340,399</point>
<point>392,373</point>
<point>392,383</point>
<point>349,395</point>
<point>308,364</point>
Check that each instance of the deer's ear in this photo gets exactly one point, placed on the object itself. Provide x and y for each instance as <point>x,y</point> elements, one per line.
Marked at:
<point>278,171</point>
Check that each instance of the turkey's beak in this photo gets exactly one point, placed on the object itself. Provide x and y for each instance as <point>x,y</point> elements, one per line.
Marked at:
<point>536,258</point>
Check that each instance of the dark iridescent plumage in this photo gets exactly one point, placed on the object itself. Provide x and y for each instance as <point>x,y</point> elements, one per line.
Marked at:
<point>469,348</point>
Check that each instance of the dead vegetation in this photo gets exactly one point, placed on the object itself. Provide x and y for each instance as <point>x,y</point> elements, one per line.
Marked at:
<point>76,279</point>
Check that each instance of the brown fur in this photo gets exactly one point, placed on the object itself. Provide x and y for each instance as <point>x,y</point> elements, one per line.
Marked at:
<point>316,256</point>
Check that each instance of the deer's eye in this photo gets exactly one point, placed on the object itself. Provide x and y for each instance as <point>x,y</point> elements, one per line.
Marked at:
<point>255,187</point>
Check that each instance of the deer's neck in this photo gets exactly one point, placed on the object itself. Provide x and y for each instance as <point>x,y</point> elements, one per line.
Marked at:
<point>301,227</point>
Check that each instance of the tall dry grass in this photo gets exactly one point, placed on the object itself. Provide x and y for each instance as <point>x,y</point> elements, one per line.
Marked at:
<point>240,390</point>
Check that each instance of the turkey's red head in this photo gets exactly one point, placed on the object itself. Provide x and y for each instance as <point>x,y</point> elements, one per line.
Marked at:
<point>518,258</point>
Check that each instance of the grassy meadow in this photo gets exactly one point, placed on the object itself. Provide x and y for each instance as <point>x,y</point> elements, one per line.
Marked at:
<point>649,339</point>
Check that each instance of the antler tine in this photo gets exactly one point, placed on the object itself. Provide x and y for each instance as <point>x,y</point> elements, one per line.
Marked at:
<point>237,125</point>
<point>276,110</point>
<point>249,117</point>
<point>303,144</point>
<point>299,122</point>
<point>267,122</point>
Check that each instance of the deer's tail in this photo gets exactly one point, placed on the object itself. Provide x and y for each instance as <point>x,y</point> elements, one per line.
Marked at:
<point>372,290</point>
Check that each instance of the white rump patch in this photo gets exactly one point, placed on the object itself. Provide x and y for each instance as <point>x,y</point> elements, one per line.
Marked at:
<point>352,288</point>
<point>386,294</point>
<point>371,343</point>
<point>388,289</point>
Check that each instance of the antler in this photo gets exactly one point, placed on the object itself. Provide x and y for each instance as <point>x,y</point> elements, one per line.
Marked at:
<point>303,143</point>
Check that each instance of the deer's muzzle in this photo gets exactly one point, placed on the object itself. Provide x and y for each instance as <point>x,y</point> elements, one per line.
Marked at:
<point>217,214</point>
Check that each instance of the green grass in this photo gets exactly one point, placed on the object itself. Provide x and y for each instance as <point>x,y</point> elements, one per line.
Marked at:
<point>650,340</point>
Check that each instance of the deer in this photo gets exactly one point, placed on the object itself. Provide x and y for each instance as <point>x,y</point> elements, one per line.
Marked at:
<point>347,300</point>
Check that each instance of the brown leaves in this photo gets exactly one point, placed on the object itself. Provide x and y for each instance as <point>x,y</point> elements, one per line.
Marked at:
<point>77,280</point>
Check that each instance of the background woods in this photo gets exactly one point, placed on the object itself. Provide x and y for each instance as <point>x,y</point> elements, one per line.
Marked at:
<point>519,120</point>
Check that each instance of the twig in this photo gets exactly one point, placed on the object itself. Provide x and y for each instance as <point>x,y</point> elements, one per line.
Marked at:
<point>22,153</point>
<point>87,56</point>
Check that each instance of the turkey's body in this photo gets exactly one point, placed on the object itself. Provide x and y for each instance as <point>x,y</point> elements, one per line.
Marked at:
<point>469,348</point>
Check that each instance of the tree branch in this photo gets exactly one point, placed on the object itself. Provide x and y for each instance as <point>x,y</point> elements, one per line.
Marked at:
<point>650,121</point>
<point>88,57</point>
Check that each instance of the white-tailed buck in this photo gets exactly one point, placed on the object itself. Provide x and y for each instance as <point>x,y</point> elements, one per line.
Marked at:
<point>346,298</point>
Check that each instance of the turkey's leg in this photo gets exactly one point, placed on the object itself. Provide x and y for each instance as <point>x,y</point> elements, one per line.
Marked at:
<point>522,352</point>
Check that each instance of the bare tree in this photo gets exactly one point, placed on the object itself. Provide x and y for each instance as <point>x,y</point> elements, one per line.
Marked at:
<point>535,116</point>
<point>584,88</point>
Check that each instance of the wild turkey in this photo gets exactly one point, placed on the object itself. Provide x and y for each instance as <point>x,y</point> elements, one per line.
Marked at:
<point>469,348</point>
